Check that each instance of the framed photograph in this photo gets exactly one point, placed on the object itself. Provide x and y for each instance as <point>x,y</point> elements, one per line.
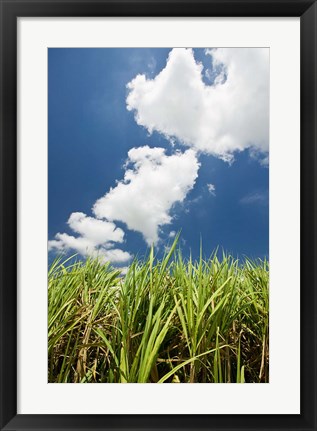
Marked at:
<point>158,231</point>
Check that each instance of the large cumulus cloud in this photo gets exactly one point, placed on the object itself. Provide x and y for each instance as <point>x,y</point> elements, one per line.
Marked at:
<point>230,115</point>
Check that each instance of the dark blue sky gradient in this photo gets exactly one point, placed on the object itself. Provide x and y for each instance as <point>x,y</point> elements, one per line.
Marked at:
<point>91,131</point>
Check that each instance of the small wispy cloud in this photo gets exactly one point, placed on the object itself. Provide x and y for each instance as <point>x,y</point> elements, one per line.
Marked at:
<point>196,200</point>
<point>187,206</point>
<point>211,189</point>
<point>208,74</point>
<point>259,198</point>
<point>152,64</point>
<point>262,158</point>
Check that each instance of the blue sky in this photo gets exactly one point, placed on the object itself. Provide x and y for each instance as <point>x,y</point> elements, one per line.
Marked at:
<point>146,142</point>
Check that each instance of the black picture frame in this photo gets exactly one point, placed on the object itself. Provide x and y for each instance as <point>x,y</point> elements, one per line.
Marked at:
<point>10,11</point>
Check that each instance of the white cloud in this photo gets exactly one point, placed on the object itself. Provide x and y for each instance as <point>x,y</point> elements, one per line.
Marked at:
<point>124,270</point>
<point>150,188</point>
<point>172,234</point>
<point>262,158</point>
<point>64,242</point>
<point>115,255</point>
<point>96,239</point>
<point>97,231</point>
<point>211,188</point>
<point>152,64</point>
<point>219,119</point>
<point>208,74</point>
<point>260,198</point>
